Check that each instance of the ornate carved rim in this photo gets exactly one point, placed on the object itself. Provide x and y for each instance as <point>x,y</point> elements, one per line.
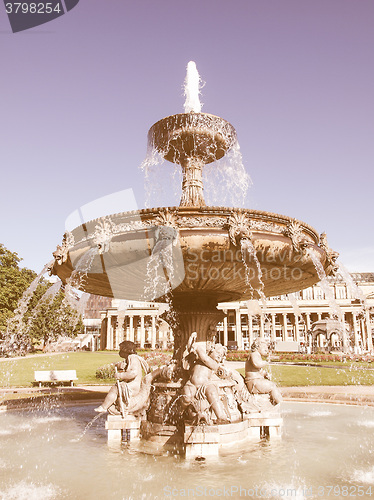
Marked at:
<point>203,217</point>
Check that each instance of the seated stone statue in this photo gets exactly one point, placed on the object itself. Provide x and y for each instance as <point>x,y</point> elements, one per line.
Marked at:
<point>203,361</point>
<point>121,396</point>
<point>257,379</point>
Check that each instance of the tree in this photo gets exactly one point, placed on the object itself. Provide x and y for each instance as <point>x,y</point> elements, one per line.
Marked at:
<point>51,318</point>
<point>13,283</point>
<point>31,315</point>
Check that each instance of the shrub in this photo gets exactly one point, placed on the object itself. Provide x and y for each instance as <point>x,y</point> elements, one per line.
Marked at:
<point>105,371</point>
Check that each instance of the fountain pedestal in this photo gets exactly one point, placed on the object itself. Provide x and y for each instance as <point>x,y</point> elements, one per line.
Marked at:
<point>119,428</point>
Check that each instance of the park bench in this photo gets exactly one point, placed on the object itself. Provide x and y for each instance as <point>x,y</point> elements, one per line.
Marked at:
<point>55,376</point>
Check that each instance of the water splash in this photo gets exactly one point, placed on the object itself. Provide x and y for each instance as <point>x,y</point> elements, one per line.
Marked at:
<point>354,290</point>
<point>16,337</point>
<point>90,423</point>
<point>325,286</point>
<point>192,86</point>
<point>226,182</point>
<point>295,306</point>
<point>248,252</point>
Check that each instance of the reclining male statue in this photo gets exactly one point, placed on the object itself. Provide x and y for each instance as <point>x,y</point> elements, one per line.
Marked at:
<point>129,380</point>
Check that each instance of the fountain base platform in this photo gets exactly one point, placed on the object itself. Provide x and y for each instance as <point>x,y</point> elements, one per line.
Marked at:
<point>192,441</point>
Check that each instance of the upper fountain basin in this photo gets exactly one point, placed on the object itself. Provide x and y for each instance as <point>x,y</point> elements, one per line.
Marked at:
<point>184,136</point>
<point>225,253</point>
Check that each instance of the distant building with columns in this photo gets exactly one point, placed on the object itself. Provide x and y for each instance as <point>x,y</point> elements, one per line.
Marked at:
<point>139,322</point>
<point>287,320</point>
<point>284,321</point>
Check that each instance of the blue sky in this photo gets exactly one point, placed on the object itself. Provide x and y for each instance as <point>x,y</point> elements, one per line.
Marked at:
<point>295,78</point>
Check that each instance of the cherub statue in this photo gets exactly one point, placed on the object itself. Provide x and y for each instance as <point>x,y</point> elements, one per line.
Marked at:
<point>120,397</point>
<point>203,361</point>
<point>257,379</point>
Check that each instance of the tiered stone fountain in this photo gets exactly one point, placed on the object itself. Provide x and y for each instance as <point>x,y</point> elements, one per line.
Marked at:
<point>215,254</point>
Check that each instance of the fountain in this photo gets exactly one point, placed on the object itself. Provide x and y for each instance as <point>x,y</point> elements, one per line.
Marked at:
<point>199,256</point>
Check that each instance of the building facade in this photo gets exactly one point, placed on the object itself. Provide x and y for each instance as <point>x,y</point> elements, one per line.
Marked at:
<point>288,320</point>
<point>139,322</point>
<point>285,321</point>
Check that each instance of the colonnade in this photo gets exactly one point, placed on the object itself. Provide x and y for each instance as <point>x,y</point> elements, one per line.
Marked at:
<point>277,325</point>
<point>140,325</point>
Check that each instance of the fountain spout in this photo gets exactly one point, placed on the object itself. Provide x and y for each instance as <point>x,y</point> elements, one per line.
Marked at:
<point>192,89</point>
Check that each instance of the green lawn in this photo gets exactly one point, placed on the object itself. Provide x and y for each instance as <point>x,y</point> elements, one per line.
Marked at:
<point>292,376</point>
<point>21,372</point>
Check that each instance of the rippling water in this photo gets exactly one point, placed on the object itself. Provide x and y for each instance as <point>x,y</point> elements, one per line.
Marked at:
<point>44,456</point>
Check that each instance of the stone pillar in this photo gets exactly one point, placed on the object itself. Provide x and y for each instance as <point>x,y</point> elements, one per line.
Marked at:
<point>368,331</point>
<point>153,340</point>
<point>115,332</point>
<point>284,332</point>
<point>109,336</point>
<point>238,328</point>
<point>250,328</point>
<point>131,328</point>
<point>262,326</point>
<point>297,332</point>
<point>308,322</point>
<point>355,331</point>
<point>225,331</point>
<point>273,328</point>
<point>142,331</point>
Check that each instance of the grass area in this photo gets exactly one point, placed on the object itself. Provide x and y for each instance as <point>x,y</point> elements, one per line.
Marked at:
<point>20,372</point>
<point>339,364</point>
<point>293,376</point>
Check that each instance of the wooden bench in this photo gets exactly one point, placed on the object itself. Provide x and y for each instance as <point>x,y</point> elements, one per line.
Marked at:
<point>55,376</point>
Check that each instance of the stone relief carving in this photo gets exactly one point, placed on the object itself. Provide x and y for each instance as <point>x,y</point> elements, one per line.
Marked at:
<point>295,233</point>
<point>62,251</point>
<point>104,231</point>
<point>166,218</point>
<point>331,256</point>
<point>239,227</point>
<point>201,222</point>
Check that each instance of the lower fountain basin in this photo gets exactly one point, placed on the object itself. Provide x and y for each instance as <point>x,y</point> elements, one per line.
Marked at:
<point>322,445</point>
<point>218,254</point>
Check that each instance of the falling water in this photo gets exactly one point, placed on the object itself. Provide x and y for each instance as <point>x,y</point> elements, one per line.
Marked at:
<point>354,290</point>
<point>16,328</point>
<point>226,181</point>
<point>192,86</point>
<point>160,270</point>
<point>324,284</point>
<point>248,250</point>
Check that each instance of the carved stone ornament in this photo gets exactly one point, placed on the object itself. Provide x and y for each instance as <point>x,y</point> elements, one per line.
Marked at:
<point>166,218</point>
<point>62,251</point>
<point>201,222</point>
<point>331,256</point>
<point>295,233</point>
<point>239,227</point>
<point>104,232</point>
